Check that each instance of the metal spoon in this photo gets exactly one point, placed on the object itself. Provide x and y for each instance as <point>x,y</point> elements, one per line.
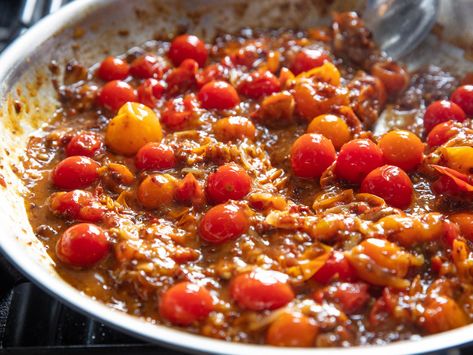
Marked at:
<point>400,25</point>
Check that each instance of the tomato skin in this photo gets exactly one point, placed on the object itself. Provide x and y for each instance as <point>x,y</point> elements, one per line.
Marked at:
<point>75,172</point>
<point>294,330</point>
<point>229,182</point>
<point>463,97</point>
<point>155,156</point>
<point>356,159</point>
<point>442,133</point>
<point>185,303</point>
<point>259,84</point>
<point>82,245</point>
<point>178,112</point>
<point>307,59</point>
<point>261,290</point>
<point>222,223</point>
<point>402,149</point>
<point>189,191</point>
<point>311,155</point>
<point>337,266</point>
<point>78,205</point>
<point>115,94</point>
<point>113,68</point>
<point>147,66</point>
<point>85,143</point>
<point>390,183</point>
<point>187,46</point>
<point>149,91</point>
<point>218,95</point>
<point>351,297</point>
<point>182,78</point>
<point>442,111</point>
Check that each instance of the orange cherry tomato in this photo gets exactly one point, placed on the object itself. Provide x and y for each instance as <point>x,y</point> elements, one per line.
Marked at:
<point>222,223</point>
<point>261,289</point>
<point>115,94</point>
<point>394,77</point>
<point>218,95</point>
<point>155,156</point>
<point>229,182</point>
<point>356,159</point>
<point>187,47</point>
<point>307,59</point>
<point>463,97</point>
<point>331,127</point>
<point>156,191</point>
<point>82,245</point>
<point>464,220</point>
<point>391,184</point>
<point>75,172</point>
<point>185,303</point>
<point>311,155</point>
<point>442,111</point>
<point>233,128</point>
<point>78,205</point>
<point>85,143</point>
<point>113,68</point>
<point>402,148</point>
<point>292,329</point>
<point>259,84</point>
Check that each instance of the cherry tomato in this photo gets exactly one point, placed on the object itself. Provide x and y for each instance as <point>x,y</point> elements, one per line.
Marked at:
<point>463,97</point>
<point>391,184</point>
<point>82,245</point>
<point>155,156</point>
<point>77,204</point>
<point>185,303</point>
<point>212,72</point>
<point>259,84</point>
<point>113,68</point>
<point>307,59</point>
<point>402,148</point>
<point>182,78</point>
<point>218,95</point>
<point>178,112</point>
<point>394,77</point>
<point>229,182</point>
<point>149,91</point>
<point>261,289</point>
<point>356,159</point>
<point>351,297</point>
<point>85,143</point>
<point>115,94</point>
<point>187,46</point>
<point>292,329</point>
<point>311,155</point>
<point>442,133</point>
<point>464,220</point>
<point>442,111</point>
<point>156,191</point>
<point>222,223</point>
<point>336,267</point>
<point>75,173</point>
<point>233,128</point>
<point>147,66</point>
<point>331,127</point>
<point>189,190</point>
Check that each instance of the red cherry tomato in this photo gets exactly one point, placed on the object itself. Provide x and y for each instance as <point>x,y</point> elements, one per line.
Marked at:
<point>77,204</point>
<point>402,148</point>
<point>222,223</point>
<point>155,156</point>
<point>182,78</point>
<point>82,245</point>
<point>356,159</point>
<point>178,112</point>
<point>218,95</point>
<point>229,182</point>
<point>391,184</point>
<point>185,303</point>
<point>189,191</point>
<point>307,59</point>
<point>261,289</point>
<point>75,173</point>
<point>185,47</point>
<point>149,91</point>
<point>336,267</point>
<point>147,66</point>
<point>311,155</point>
<point>259,84</point>
<point>212,72</point>
<point>351,297</point>
<point>442,111</point>
<point>463,97</point>
<point>115,94</point>
<point>442,133</point>
<point>85,143</point>
<point>113,68</point>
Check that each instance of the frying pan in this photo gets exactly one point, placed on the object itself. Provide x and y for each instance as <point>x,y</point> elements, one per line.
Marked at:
<point>87,30</point>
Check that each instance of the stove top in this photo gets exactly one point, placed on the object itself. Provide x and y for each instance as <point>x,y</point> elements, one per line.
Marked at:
<point>31,321</point>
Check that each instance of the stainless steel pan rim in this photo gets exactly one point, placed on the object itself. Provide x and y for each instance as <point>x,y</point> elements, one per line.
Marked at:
<point>23,48</point>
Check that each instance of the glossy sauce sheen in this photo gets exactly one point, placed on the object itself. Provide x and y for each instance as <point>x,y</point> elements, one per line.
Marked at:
<point>345,268</point>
